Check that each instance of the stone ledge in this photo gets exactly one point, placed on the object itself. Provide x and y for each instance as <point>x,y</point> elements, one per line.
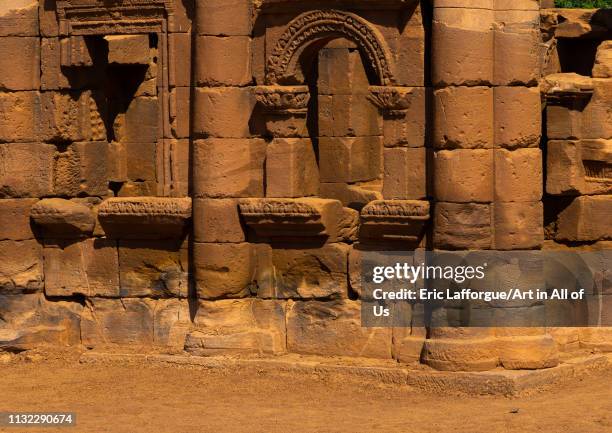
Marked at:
<point>496,382</point>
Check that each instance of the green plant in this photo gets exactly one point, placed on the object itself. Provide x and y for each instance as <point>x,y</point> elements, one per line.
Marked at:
<point>584,4</point>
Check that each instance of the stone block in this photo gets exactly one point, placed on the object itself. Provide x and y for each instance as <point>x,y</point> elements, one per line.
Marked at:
<point>20,111</point>
<point>349,159</point>
<point>217,220</point>
<point>518,226</point>
<point>341,72</point>
<point>19,18</point>
<point>462,226</point>
<point>129,49</point>
<point>140,122</point>
<point>463,118</point>
<point>83,168</point>
<point>224,18</point>
<point>180,166</point>
<point>160,323</point>
<point>26,169</point>
<point>586,219</point>
<point>69,116</point>
<point>180,59</point>
<point>228,168</point>
<point>578,167</point>
<point>30,322</point>
<point>15,219</point>
<point>58,218</point>
<point>603,61</point>
<point>224,270</point>
<point>408,343</point>
<point>517,54</point>
<point>518,117</point>
<point>405,174</point>
<point>412,52</point>
<point>464,175</point>
<point>223,112</point>
<point>528,352</point>
<point>518,175</point>
<point>223,61</point>
<point>52,76</point>
<point>353,196</point>
<point>284,272</point>
<point>597,116</point>
<point>238,326</point>
<point>21,266</point>
<point>563,123</point>
<point>180,112</point>
<point>153,268</point>
<point>141,161</point>
<point>291,168</point>
<point>89,267</point>
<point>49,26</point>
<point>408,130</point>
<point>334,329</point>
<point>19,63</point>
<point>348,116</point>
<point>464,46</point>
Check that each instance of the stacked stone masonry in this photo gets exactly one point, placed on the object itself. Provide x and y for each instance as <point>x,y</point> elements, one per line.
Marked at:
<point>207,175</point>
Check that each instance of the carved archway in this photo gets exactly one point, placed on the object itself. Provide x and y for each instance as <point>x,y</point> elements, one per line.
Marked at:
<point>319,25</point>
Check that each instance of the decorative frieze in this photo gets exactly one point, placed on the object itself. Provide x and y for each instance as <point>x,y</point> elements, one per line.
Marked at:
<point>284,99</point>
<point>394,219</point>
<point>392,100</point>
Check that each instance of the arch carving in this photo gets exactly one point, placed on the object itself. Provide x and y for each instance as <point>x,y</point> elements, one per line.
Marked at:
<point>320,24</point>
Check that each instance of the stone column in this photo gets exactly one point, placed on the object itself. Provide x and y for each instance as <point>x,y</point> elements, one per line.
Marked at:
<point>227,161</point>
<point>487,165</point>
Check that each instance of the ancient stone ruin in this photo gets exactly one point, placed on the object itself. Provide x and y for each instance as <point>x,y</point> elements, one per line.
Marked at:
<point>206,175</point>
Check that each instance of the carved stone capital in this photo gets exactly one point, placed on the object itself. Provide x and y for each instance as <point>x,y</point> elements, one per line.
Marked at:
<point>144,217</point>
<point>59,218</point>
<point>298,218</point>
<point>393,100</point>
<point>399,219</point>
<point>284,99</point>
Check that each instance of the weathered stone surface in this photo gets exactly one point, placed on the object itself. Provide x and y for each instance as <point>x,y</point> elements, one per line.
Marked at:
<point>83,169</point>
<point>217,220</point>
<point>304,273</point>
<point>238,326</point>
<point>579,167</point>
<point>228,168</point>
<point>291,168</point>
<point>223,112</point>
<point>19,63</point>
<point>15,219</point>
<point>60,218</point>
<point>603,61</point>
<point>153,268</point>
<point>224,18</point>
<point>223,61</point>
<point>394,220</point>
<point>20,266</point>
<point>463,118</point>
<point>408,130</point>
<point>348,116</point>
<point>462,349</point>
<point>517,48</point>
<point>408,343</point>
<point>350,159</point>
<point>140,123</point>
<point>135,322</point>
<point>19,18</point>
<point>518,175</point>
<point>128,49</point>
<point>224,270</point>
<point>26,169</point>
<point>464,43</point>
<point>405,174</point>
<point>464,175</point>
<point>353,196</point>
<point>30,321</point>
<point>586,219</point>
<point>89,267</point>
<point>518,117</point>
<point>462,226</point>
<point>518,226</point>
<point>528,352</point>
<point>334,329</point>
<point>180,111</point>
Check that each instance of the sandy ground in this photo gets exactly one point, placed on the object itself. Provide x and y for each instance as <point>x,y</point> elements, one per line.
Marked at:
<point>159,398</point>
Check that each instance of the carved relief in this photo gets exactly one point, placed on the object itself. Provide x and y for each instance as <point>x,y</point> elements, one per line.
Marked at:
<point>394,101</point>
<point>394,219</point>
<point>320,24</point>
<point>284,99</point>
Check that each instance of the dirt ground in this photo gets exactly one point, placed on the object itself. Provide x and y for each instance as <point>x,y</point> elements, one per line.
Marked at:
<point>134,398</point>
